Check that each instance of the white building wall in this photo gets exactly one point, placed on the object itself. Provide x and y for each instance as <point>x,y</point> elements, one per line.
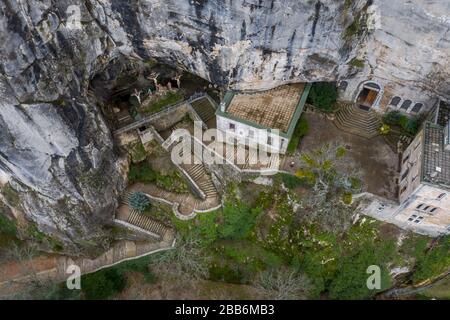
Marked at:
<point>410,172</point>
<point>389,90</point>
<point>244,132</point>
<point>428,208</point>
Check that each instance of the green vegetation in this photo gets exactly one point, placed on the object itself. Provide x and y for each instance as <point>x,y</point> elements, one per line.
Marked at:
<point>291,181</point>
<point>323,95</point>
<point>103,284</point>
<point>409,125</point>
<point>137,152</point>
<point>170,98</point>
<point>434,262</point>
<point>8,231</point>
<point>287,243</point>
<point>357,63</point>
<point>143,172</point>
<point>139,201</point>
<point>300,131</point>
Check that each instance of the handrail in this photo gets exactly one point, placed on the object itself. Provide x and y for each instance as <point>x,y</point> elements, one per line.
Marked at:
<point>151,117</point>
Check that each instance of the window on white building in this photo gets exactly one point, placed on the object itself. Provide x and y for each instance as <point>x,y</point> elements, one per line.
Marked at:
<point>395,101</point>
<point>441,196</point>
<point>405,174</point>
<point>406,158</point>
<point>406,104</point>
<point>232,126</point>
<point>426,208</point>
<point>269,141</point>
<point>417,107</point>
<point>415,218</point>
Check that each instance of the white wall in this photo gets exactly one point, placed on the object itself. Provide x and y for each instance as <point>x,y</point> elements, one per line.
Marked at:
<point>242,132</point>
<point>427,196</point>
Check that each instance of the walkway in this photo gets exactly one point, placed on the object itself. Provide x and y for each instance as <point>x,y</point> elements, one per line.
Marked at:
<point>186,204</point>
<point>16,276</point>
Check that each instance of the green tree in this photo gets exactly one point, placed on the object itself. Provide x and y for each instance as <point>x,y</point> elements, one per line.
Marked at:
<point>139,201</point>
<point>103,284</point>
<point>323,95</point>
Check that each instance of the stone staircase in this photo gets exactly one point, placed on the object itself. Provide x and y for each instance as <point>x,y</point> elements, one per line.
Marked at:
<point>204,109</point>
<point>352,119</point>
<point>142,221</point>
<point>199,174</point>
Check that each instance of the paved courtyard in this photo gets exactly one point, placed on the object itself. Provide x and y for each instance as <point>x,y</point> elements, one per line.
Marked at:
<point>377,162</point>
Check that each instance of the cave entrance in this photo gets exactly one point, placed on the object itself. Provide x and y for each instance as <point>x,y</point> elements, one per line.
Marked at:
<point>128,89</point>
<point>368,96</point>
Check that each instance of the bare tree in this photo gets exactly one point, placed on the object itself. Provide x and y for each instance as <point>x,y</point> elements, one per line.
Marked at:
<point>327,170</point>
<point>283,284</point>
<point>188,258</point>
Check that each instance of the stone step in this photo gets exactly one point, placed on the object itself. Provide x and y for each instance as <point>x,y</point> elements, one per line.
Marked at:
<point>355,122</point>
<point>352,119</point>
<point>139,220</point>
<point>204,109</point>
<point>366,118</point>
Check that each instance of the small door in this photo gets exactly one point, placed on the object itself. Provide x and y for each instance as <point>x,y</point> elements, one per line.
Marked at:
<point>371,97</point>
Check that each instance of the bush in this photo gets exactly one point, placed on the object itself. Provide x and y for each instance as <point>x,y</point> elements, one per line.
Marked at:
<point>238,220</point>
<point>409,125</point>
<point>323,95</point>
<point>350,280</point>
<point>139,201</point>
<point>141,172</point>
<point>300,131</point>
<point>434,262</point>
<point>291,181</point>
<point>103,284</point>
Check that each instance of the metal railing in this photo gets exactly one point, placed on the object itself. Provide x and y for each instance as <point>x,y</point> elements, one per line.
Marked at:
<point>156,115</point>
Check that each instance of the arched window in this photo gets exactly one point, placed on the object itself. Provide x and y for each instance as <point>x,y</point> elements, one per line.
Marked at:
<point>372,85</point>
<point>395,101</point>
<point>441,196</point>
<point>417,107</point>
<point>406,104</point>
<point>343,86</point>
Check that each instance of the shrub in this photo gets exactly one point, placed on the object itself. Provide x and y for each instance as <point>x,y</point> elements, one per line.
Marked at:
<point>323,95</point>
<point>300,131</point>
<point>103,284</point>
<point>138,153</point>
<point>141,172</point>
<point>434,262</point>
<point>408,124</point>
<point>139,201</point>
<point>357,63</point>
<point>347,198</point>
<point>350,280</point>
<point>291,181</point>
<point>238,220</point>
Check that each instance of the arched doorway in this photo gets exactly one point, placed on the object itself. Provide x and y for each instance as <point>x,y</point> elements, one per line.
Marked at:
<point>369,95</point>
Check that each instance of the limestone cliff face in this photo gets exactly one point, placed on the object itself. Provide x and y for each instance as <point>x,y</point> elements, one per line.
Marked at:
<point>54,143</point>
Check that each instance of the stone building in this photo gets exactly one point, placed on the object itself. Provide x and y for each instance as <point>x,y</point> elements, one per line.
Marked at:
<point>265,119</point>
<point>424,183</point>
